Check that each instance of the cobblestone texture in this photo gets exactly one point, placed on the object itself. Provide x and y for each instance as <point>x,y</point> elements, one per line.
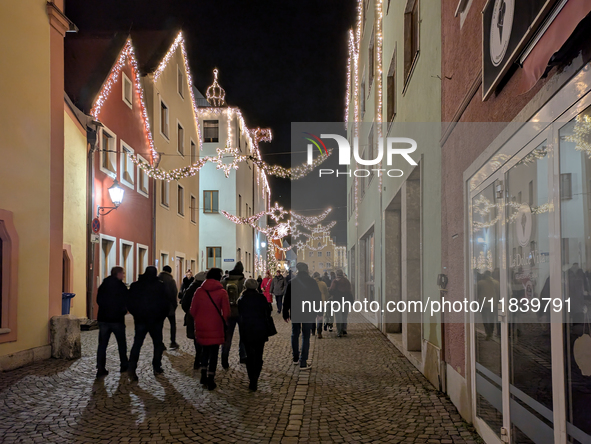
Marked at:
<point>360,389</point>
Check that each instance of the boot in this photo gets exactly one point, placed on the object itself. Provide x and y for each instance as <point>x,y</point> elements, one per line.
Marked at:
<point>253,386</point>
<point>211,385</point>
<point>203,380</point>
<point>225,363</point>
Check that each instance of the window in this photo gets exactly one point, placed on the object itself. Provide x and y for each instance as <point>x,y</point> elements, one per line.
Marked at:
<point>320,254</point>
<point>126,260</point>
<point>164,191</point>
<point>210,201</point>
<point>531,193</point>
<point>180,82</point>
<point>211,131</point>
<point>193,266</point>
<point>321,264</point>
<point>239,205</point>
<point>391,89</point>
<point>328,254</point>
<point>8,281</point>
<point>239,254</point>
<point>127,166</point>
<point>163,259</point>
<point>328,265</point>
<point>362,96</point>
<point>193,209</point>
<point>127,90</point>
<point>143,184</point>
<point>180,203</point>
<point>142,259</point>
<point>311,254</point>
<point>107,258</point>
<point>193,153</point>
<point>214,257</point>
<point>108,153</point>
<point>163,119</point>
<point>566,186</point>
<point>180,139</point>
<point>411,37</point>
<point>371,147</point>
<point>371,58</point>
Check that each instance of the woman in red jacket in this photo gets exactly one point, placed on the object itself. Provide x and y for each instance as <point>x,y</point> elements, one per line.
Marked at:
<point>210,310</point>
<point>266,287</point>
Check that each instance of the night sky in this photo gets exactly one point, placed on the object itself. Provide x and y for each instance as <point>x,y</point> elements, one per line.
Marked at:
<point>279,61</point>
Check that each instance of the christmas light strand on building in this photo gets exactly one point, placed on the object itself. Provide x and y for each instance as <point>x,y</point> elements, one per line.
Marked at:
<point>379,79</point>
<point>310,220</point>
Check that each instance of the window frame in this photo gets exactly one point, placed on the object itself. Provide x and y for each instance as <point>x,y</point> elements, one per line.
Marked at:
<point>166,185</point>
<point>180,204</point>
<point>112,239</point>
<point>217,139</point>
<point>214,257</point>
<point>112,154</point>
<point>140,174</point>
<point>410,60</point>
<point>193,207</point>
<point>180,84</point>
<point>391,89</point>
<point>124,81</point>
<point>139,246</point>
<point>180,141</point>
<point>211,210</point>
<point>128,279</point>
<point>162,133</point>
<point>193,153</point>
<point>124,158</point>
<point>9,289</point>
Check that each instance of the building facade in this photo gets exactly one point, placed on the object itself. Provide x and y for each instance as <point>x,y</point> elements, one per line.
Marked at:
<point>393,227</point>
<point>172,110</point>
<point>243,192</point>
<point>321,253</point>
<point>515,198</point>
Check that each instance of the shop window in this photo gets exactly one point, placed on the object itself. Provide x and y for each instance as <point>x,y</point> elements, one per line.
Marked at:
<point>211,131</point>
<point>8,277</point>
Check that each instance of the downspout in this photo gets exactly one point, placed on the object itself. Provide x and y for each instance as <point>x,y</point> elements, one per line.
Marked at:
<point>92,141</point>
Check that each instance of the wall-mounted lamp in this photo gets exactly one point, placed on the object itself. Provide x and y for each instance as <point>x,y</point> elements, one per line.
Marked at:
<point>263,244</point>
<point>116,193</point>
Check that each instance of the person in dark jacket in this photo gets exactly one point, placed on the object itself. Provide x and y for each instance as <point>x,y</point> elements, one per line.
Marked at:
<point>171,293</point>
<point>326,279</point>
<point>111,299</point>
<point>187,281</point>
<point>259,284</point>
<point>302,288</point>
<point>149,305</point>
<point>278,285</point>
<point>189,321</point>
<point>340,289</point>
<point>254,311</point>
<point>234,286</point>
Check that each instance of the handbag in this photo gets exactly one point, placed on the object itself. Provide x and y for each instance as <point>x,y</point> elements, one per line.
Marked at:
<point>271,330</point>
<point>220,313</point>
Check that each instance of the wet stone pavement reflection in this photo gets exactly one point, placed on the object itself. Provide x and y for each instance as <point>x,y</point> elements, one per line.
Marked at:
<point>360,389</point>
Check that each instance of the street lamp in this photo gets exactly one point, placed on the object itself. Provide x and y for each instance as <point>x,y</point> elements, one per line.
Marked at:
<point>116,194</point>
<point>263,244</point>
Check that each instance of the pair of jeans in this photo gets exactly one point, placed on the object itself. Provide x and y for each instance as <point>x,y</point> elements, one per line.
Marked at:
<point>105,330</point>
<point>232,323</point>
<point>341,320</point>
<point>305,329</point>
<point>172,320</point>
<point>279,300</point>
<point>254,360</point>
<point>141,330</point>
<point>209,358</point>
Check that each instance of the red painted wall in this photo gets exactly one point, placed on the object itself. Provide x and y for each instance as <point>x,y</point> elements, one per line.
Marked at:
<point>132,221</point>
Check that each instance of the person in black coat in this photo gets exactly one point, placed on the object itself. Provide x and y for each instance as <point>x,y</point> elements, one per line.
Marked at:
<point>111,299</point>
<point>149,305</point>
<point>254,310</point>
<point>189,321</point>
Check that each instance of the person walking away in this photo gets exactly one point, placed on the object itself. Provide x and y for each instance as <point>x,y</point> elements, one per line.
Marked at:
<point>149,305</point>
<point>325,297</point>
<point>301,288</point>
<point>171,292</point>
<point>210,310</point>
<point>333,276</point>
<point>234,286</point>
<point>340,289</point>
<point>326,279</point>
<point>259,283</point>
<point>254,311</point>
<point>187,280</point>
<point>266,287</point>
<point>278,285</point>
<point>189,321</point>
<point>112,301</point>
<point>289,277</point>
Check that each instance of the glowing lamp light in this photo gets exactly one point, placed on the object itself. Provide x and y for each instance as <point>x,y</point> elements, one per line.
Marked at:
<point>116,193</point>
<point>263,244</point>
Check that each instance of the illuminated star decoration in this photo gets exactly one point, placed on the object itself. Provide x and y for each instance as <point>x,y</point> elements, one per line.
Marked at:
<point>277,212</point>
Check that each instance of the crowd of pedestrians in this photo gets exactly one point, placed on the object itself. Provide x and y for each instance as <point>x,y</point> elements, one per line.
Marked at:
<point>215,303</point>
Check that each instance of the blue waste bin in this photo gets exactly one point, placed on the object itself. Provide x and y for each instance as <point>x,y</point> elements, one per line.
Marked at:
<point>66,298</point>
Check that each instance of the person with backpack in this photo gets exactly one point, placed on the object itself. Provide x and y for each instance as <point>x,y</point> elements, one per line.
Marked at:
<point>234,286</point>
<point>172,292</point>
<point>210,309</point>
<point>254,313</point>
<point>278,285</point>
<point>189,321</point>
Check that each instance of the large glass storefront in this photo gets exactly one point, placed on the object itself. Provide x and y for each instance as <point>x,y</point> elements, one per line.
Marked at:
<point>530,241</point>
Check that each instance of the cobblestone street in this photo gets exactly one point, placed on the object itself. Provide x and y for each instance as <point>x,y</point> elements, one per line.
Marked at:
<point>360,389</point>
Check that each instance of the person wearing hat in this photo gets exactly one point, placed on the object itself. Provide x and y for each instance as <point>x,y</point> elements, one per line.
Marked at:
<point>340,289</point>
<point>301,289</point>
<point>254,310</point>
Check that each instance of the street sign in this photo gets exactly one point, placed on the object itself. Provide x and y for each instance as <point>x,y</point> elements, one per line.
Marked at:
<point>94,238</point>
<point>96,225</point>
<point>228,260</point>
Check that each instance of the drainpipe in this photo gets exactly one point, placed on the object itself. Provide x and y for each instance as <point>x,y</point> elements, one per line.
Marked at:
<point>92,128</point>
